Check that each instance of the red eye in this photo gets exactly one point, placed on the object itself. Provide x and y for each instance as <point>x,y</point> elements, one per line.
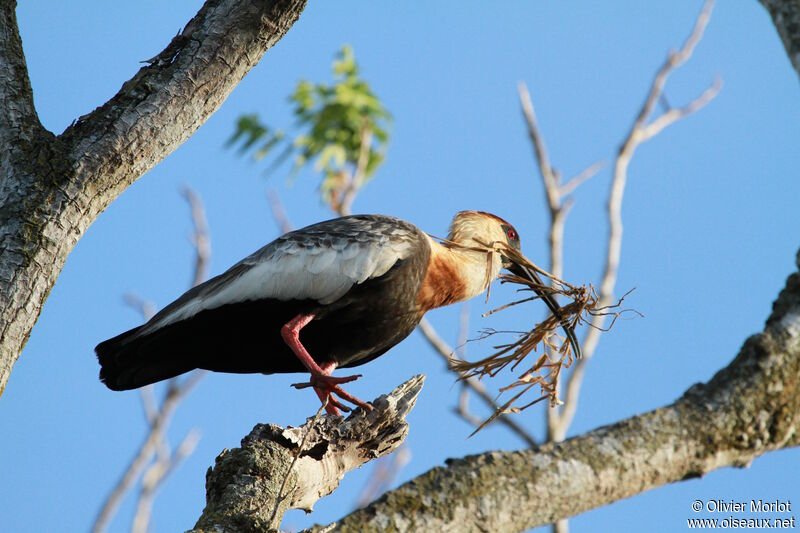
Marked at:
<point>512,234</point>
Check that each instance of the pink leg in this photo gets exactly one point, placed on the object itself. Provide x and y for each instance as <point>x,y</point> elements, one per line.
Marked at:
<point>321,380</point>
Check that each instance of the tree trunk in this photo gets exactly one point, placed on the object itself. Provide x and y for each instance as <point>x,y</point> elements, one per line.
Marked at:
<point>53,187</point>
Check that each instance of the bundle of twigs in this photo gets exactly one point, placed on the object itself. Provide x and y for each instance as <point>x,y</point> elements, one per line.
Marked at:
<point>556,352</point>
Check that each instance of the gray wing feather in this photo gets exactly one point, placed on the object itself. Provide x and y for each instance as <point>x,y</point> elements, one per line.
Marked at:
<point>320,262</point>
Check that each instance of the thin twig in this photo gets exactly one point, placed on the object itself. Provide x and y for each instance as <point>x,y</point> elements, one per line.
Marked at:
<point>146,451</point>
<point>145,308</point>
<point>200,236</point>
<point>677,113</point>
<point>584,175</point>
<point>149,404</point>
<point>549,179</point>
<point>278,211</point>
<point>159,417</point>
<point>559,419</point>
<point>356,179</point>
<point>154,477</point>
<point>557,207</point>
<point>617,189</point>
<point>462,407</point>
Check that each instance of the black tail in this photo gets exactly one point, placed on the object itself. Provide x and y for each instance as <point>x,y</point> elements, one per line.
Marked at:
<point>239,338</point>
<point>130,360</point>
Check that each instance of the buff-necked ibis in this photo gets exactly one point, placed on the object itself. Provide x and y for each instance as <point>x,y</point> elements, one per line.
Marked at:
<point>334,294</point>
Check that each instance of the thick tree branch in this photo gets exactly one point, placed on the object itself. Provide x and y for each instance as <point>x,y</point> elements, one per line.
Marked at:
<point>250,488</point>
<point>786,17</point>
<point>747,409</point>
<point>170,98</point>
<point>55,187</point>
<point>19,122</point>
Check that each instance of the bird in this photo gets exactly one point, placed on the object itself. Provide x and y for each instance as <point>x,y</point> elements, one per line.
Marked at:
<point>335,294</point>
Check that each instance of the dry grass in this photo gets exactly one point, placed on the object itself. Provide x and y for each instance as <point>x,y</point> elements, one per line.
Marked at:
<point>552,351</point>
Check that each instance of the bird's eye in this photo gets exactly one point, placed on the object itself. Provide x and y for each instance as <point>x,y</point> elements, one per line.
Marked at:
<point>512,234</point>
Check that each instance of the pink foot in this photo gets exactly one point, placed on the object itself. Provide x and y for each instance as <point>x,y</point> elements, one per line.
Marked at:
<point>326,386</point>
<point>321,380</point>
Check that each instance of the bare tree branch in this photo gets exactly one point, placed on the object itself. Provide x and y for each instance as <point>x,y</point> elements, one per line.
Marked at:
<point>154,477</point>
<point>677,113</point>
<point>559,204</point>
<point>641,131</point>
<point>556,194</point>
<point>584,175</point>
<point>159,417</point>
<point>549,178</point>
<point>204,62</point>
<point>148,448</point>
<point>356,179</point>
<point>558,420</point>
<point>278,211</point>
<point>674,60</point>
<point>749,408</point>
<point>200,238</point>
<point>245,483</point>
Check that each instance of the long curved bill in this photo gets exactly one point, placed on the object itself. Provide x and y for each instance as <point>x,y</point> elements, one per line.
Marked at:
<point>531,275</point>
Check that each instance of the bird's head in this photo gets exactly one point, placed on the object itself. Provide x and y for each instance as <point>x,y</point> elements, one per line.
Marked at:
<point>472,228</point>
<point>471,232</point>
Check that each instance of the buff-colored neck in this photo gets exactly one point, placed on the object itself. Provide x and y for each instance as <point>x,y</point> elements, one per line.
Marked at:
<point>456,273</point>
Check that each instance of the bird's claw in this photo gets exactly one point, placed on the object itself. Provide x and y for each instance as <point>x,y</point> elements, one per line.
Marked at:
<point>327,386</point>
<point>330,380</point>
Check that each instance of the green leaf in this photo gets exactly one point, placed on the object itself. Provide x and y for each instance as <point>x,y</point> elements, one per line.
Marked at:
<point>330,121</point>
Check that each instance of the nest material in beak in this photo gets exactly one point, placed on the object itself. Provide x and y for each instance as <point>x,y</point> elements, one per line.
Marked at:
<point>556,352</point>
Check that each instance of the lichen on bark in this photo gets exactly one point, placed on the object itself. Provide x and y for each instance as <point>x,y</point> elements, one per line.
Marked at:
<point>251,487</point>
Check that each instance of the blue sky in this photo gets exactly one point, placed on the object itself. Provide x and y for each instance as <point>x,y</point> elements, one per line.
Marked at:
<point>710,212</point>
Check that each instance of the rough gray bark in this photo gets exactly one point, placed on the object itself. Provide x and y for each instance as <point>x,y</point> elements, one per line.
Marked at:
<point>786,17</point>
<point>246,491</point>
<point>53,187</point>
<point>749,408</point>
